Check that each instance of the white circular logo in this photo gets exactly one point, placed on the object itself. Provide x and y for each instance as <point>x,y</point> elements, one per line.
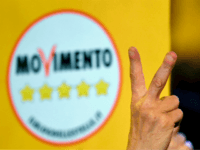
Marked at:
<point>64,77</point>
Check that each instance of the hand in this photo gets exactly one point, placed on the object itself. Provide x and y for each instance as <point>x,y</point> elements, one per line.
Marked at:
<point>152,119</point>
<point>178,142</point>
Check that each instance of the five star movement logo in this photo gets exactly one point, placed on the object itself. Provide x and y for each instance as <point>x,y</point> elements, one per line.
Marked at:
<point>64,90</point>
<point>69,96</point>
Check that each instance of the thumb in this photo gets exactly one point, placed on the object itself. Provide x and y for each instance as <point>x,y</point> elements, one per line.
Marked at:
<point>136,74</point>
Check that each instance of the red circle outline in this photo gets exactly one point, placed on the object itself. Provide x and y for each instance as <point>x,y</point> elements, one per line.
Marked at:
<point>11,59</point>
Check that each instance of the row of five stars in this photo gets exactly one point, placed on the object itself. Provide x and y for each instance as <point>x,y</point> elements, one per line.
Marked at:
<point>64,90</point>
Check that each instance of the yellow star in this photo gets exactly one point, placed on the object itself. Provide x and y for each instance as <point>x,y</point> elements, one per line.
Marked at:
<point>64,90</point>
<point>83,89</point>
<point>101,87</point>
<point>45,92</point>
<point>27,93</point>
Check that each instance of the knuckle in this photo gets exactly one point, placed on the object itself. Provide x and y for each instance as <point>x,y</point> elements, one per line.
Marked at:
<point>176,101</point>
<point>150,116</point>
<point>180,113</point>
<point>146,107</point>
<point>158,82</point>
<point>166,65</point>
<point>165,121</point>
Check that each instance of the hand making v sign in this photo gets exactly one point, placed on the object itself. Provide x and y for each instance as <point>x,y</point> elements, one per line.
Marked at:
<point>152,119</point>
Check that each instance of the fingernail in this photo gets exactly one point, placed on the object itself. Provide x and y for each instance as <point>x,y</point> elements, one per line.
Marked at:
<point>131,51</point>
<point>170,58</point>
<point>173,54</point>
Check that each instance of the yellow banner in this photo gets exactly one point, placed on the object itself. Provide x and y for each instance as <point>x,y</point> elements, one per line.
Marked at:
<point>65,69</point>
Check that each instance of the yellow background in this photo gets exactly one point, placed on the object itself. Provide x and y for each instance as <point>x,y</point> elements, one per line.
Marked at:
<point>144,24</point>
<point>185,31</point>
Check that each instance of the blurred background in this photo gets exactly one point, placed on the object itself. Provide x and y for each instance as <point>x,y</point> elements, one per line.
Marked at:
<point>154,27</point>
<point>185,41</point>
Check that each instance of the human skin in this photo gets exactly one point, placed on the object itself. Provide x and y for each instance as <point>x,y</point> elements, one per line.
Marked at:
<point>152,119</point>
<point>178,142</point>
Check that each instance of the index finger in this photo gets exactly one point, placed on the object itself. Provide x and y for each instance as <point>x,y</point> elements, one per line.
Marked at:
<point>162,75</point>
<point>138,86</point>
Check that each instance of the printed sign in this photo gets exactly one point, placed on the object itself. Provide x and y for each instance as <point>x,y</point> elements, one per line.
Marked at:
<point>64,77</point>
